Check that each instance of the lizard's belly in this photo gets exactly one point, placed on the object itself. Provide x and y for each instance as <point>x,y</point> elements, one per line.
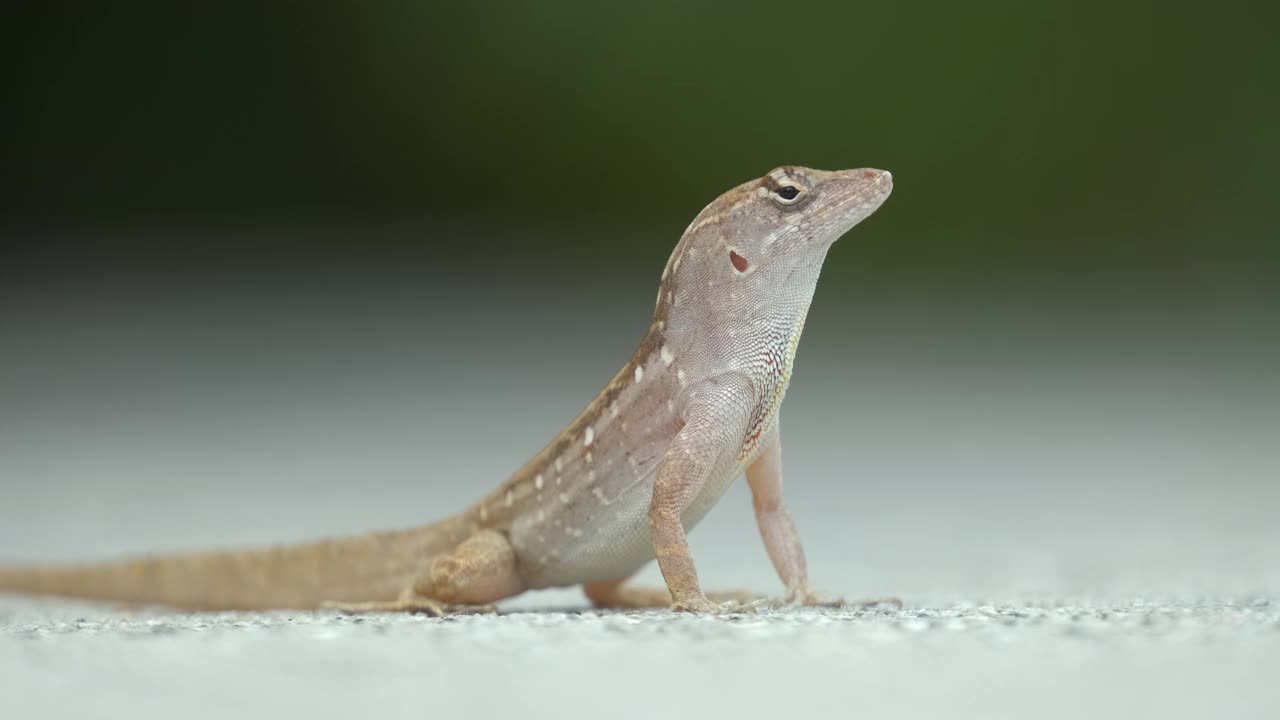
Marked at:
<point>599,533</point>
<point>610,543</point>
<point>584,516</point>
<point>618,550</point>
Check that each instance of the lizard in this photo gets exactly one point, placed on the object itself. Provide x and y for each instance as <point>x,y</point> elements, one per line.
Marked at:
<point>695,407</point>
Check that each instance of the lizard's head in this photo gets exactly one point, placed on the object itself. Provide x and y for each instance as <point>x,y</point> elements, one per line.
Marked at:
<point>763,231</point>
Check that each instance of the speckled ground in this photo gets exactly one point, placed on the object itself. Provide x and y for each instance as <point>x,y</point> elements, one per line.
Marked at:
<point>1045,660</point>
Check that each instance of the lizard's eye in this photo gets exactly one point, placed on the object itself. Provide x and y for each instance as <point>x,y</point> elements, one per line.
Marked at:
<point>787,193</point>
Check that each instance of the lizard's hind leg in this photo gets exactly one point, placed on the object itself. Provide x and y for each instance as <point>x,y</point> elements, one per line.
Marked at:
<point>480,571</point>
<point>616,594</point>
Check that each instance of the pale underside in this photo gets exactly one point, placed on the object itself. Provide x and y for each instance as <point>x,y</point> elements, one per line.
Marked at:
<point>593,483</point>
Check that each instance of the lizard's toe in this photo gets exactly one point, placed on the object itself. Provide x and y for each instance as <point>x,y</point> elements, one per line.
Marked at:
<point>806,597</point>
<point>702,605</point>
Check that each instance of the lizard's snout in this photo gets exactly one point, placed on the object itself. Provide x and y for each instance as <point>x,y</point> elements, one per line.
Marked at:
<point>879,177</point>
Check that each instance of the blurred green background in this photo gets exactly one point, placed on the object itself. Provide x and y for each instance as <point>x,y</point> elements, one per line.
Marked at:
<point>1067,142</point>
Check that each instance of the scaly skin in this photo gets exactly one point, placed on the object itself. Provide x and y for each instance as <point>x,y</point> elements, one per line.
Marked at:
<point>694,407</point>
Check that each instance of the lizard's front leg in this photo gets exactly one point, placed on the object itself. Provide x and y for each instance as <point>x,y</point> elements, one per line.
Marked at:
<point>778,531</point>
<point>716,416</point>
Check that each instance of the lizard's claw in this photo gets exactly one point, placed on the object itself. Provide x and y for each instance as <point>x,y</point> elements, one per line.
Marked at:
<point>804,596</point>
<point>701,605</point>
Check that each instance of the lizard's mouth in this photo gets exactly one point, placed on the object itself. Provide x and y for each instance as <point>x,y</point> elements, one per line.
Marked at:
<point>856,194</point>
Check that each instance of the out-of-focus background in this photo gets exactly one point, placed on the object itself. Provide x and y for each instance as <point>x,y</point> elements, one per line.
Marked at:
<point>279,270</point>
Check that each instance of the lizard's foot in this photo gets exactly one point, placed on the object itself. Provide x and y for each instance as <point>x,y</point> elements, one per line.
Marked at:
<point>404,604</point>
<point>614,594</point>
<point>738,598</point>
<point>703,606</point>
<point>806,597</point>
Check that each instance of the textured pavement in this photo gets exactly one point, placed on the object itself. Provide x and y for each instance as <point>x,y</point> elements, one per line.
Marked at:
<point>1135,660</point>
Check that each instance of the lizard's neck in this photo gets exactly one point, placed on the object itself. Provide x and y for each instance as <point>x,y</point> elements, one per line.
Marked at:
<point>718,320</point>
<point>721,320</point>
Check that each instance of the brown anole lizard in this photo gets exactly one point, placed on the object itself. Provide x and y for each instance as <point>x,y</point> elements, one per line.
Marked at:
<point>695,407</point>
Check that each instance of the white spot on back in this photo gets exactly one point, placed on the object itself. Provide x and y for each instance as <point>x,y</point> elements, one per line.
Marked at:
<point>510,499</point>
<point>588,437</point>
<point>639,373</point>
<point>667,356</point>
<point>537,481</point>
<point>680,376</point>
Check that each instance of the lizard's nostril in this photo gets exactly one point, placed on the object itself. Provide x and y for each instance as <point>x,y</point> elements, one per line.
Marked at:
<point>869,174</point>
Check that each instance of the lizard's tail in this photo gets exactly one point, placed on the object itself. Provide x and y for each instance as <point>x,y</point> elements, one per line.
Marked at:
<point>370,567</point>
